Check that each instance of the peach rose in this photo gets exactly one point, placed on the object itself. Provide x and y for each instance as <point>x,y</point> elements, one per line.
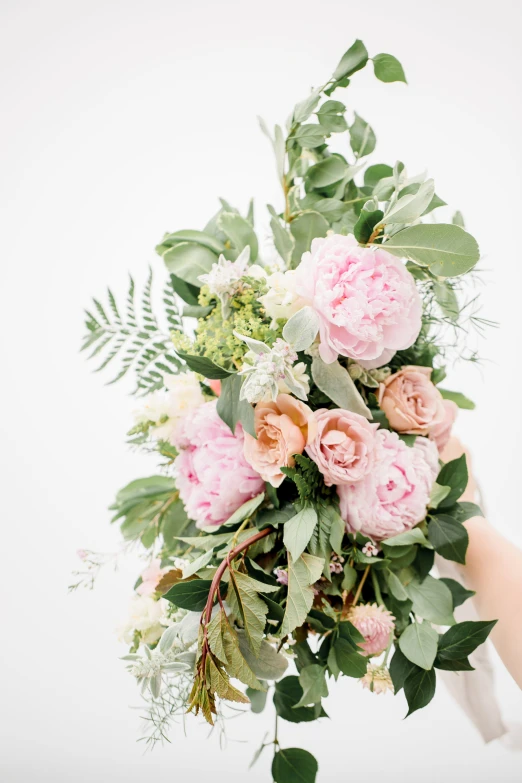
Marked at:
<point>283,428</point>
<point>343,448</point>
<point>441,433</point>
<point>412,403</point>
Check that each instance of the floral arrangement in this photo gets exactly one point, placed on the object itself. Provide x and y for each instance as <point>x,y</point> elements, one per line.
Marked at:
<point>293,401</point>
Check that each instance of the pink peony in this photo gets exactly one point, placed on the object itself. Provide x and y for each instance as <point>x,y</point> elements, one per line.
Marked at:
<point>411,402</point>
<point>365,298</point>
<point>343,448</point>
<point>212,475</point>
<point>151,576</point>
<point>375,623</point>
<point>394,497</point>
<point>441,433</point>
<point>283,428</point>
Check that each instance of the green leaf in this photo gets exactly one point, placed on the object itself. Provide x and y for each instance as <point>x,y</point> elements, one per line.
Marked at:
<point>188,260</point>
<point>304,109</point>
<point>368,219</point>
<point>337,530</point>
<point>413,536</point>
<point>330,115</point>
<point>350,662</point>
<point>437,495</point>
<point>419,689</point>
<point>143,488</point>
<point>349,578</point>
<point>313,682</point>
<point>283,241</point>
<point>174,522</point>
<point>375,173</point>
<point>293,765</point>
<point>196,565</point>
<point>396,587</point>
<point>309,136</point>
<point>418,643</point>
<point>233,410</point>
<point>237,665</point>
<point>204,366</point>
<point>268,664</point>
<point>239,231</point>
<point>447,300</point>
<point>464,510</point>
<point>189,235</point>
<point>458,665</point>
<point>188,292</point>
<point>190,595</point>
<point>244,511</point>
<point>288,692</point>
<point>301,574</point>
<point>453,474</point>
<point>400,668</point>
<point>334,381</point>
<point>304,228</point>
<point>216,634</point>
<point>447,250</point>
<point>449,537</point>
<point>362,137</point>
<point>432,600</point>
<point>352,61</point>
<point>459,399</point>
<point>458,591</point>
<point>410,207</point>
<point>257,701</point>
<point>298,531</point>
<point>460,640</point>
<point>327,171</point>
<point>388,69</point>
<point>243,599</point>
<point>301,328</point>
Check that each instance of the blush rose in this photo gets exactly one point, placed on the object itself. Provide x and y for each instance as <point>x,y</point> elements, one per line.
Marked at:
<point>283,428</point>
<point>412,403</point>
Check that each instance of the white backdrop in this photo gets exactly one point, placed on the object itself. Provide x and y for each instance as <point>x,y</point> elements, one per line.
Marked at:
<point>126,119</point>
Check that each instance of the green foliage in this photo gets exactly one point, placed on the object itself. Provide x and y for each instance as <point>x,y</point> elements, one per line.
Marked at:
<point>388,69</point>
<point>147,506</point>
<point>293,765</point>
<point>190,595</point>
<point>288,693</point>
<point>308,480</point>
<point>134,338</point>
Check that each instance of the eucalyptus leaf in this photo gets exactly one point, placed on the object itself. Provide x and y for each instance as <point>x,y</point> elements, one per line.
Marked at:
<point>304,228</point>
<point>239,231</point>
<point>188,260</point>
<point>326,172</point>
<point>447,250</point>
<point>362,137</point>
<point>352,61</point>
<point>388,69</point>
<point>408,208</point>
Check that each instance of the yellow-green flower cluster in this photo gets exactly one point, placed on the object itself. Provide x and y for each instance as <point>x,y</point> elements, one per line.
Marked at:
<point>214,335</point>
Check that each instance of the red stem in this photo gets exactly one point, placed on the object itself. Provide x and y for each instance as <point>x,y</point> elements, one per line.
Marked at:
<point>224,565</point>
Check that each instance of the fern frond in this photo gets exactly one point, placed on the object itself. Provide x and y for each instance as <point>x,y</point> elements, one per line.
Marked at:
<point>134,335</point>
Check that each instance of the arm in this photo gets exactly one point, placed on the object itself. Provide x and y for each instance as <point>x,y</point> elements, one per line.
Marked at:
<point>494,570</point>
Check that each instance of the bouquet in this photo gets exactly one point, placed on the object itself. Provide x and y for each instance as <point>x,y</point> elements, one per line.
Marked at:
<point>292,400</point>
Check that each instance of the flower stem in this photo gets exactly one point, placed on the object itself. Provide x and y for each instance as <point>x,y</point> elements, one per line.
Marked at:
<point>361,585</point>
<point>377,589</point>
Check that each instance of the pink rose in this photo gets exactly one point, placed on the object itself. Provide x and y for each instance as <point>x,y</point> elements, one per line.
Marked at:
<point>441,433</point>
<point>212,475</point>
<point>366,300</point>
<point>393,498</point>
<point>411,402</point>
<point>343,447</point>
<point>375,623</point>
<point>283,428</point>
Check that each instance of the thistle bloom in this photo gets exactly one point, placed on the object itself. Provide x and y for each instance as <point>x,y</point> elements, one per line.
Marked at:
<point>269,371</point>
<point>365,298</point>
<point>212,475</point>
<point>375,623</point>
<point>394,497</point>
<point>377,679</point>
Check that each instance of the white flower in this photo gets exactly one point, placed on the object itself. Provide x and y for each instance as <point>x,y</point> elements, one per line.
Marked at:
<point>224,276</point>
<point>270,371</point>
<point>163,408</point>
<point>281,301</point>
<point>145,616</point>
